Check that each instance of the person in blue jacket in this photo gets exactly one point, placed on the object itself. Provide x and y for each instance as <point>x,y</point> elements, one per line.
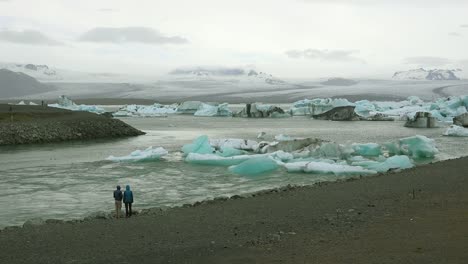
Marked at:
<point>128,200</point>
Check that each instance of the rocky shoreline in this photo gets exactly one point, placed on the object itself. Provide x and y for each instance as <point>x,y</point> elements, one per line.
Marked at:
<point>413,216</point>
<point>37,124</point>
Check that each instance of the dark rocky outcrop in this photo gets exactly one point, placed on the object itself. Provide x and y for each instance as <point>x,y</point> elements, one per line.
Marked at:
<point>37,124</point>
<point>339,82</point>
<point>257,110</point>
<point>341,113</point>
<point>461,120</point>
<point>421,120</point>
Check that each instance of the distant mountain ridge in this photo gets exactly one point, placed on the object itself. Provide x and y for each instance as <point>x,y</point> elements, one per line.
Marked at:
<point>243,75</point>
<point>430,75</point>
<point>13,84</point>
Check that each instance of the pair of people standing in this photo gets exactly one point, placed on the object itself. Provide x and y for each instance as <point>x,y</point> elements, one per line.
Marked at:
<point>127,197</point>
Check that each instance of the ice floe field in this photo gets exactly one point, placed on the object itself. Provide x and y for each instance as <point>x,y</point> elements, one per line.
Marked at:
<point>77,178</point>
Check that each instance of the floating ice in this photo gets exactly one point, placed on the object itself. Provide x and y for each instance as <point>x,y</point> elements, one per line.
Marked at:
<point>394,162</point>
<point>200,145</point>
<point>317,106</point>
<point>189,107</point>
<point>282,137</point>
<point>255,166</point>
<point>456,131</point>
<point>369,149</point>
<point>148,154</point>
<point>66,103</point>
<point>213,110</point>
<point>146,110</point>
<point>418,147</point>
<point>327,168</point>
<point>229,152</point>
<point>213,159</point>
<point>243,144</point>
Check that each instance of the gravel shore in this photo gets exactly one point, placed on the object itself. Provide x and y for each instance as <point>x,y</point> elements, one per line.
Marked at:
<point>415,216</point>
<point>37,124</point>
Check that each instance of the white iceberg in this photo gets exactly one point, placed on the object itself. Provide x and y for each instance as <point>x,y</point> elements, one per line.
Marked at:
<point>418,147</point>
<point>242,144</point>
<point>213,110</point>
<point>327,168</point>
<point>368,149</point>
<point>394,162</point>
<point>255,166</point>
<point>189,107</point>
<point>217,160</point>
<point>200,145</point>
<point>456,131</point>
<point>66,103</point>
<point>154,110</point>
<point>148,154</point>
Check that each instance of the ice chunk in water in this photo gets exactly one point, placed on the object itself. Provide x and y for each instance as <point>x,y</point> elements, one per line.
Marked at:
<point>369,149</point>
<point>327,168</point>
<point>418,147</point>
<point>394,162</point>
<point>213,110</point>
<point>236,143</point>
<point>456,131</point>
<point>229,152</point>
<point>200,145</point>
<point>141,155</point>
<point>282,137</point>
<point>216,160</point>
<point>255,166</point>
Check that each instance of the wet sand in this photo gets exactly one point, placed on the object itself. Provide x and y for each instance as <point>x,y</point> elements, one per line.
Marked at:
<point>415,216</point>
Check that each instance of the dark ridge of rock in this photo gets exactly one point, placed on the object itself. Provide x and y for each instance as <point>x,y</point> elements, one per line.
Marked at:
<point>461,120</point>
<point>13,84</point>
<point>37,124</point>
<point>339,82</point>
<point>341,113</point>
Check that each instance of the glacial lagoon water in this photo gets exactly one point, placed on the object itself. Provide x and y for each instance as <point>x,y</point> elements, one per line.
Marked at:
<point>71,180</point>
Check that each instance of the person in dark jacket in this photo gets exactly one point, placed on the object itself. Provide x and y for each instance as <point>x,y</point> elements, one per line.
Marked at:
<point>128,200</point>
<point>118,201</point>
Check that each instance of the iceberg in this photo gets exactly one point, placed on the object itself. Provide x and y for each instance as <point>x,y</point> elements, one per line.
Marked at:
<point>200,145</point>
<point>189,107</point>
<point>216,160</point>
<point>255,166</point>
<point>259,110</point>
<point>369,149</point>
<point>456,131</point>
<point>327,168</point>
<point>242,144</point>
<point>418,147</point>
<point>394,162</point>
<point>66,103</point>
<point>213,110</point>
<point>229,152</point>
<point>148,154</point>
<point>317,106</point>
<point>154,110</point>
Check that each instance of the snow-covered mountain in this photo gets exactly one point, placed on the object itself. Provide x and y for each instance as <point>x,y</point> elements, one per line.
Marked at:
<point>45,73</point>
<point>430,75</point>
<point>239,75</point>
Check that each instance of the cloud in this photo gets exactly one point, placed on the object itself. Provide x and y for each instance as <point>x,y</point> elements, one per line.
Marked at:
<point>427,61</point>
<point>372,3</point>
<point>454,34</point>
<point>130,35</point>
<point>324,55</point>
<point>106,10</point>
<point>213,70</point>
<point>31,37</point>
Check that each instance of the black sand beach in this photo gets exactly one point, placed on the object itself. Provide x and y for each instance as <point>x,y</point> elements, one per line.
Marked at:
<point>419,215</point>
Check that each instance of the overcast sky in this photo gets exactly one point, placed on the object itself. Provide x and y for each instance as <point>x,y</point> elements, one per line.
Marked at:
<point>288,38</point>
